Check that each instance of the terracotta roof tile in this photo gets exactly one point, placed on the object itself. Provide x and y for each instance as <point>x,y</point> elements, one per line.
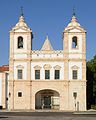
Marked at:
<point>4,68</point>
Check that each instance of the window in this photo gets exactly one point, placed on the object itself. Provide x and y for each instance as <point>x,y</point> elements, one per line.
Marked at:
<point>74,42</point>
<point>19,94</point>
<point>19,74</point>
<point>47,74</point>
<point>20,42</point>
<point>57,74</point>
<point>37,74</point>
<point>74,74</point>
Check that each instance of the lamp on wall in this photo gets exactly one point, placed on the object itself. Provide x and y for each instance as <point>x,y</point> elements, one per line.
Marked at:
<point>9,94</point>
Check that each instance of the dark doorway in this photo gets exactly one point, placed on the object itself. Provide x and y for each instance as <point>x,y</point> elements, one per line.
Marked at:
<point>47,102</point>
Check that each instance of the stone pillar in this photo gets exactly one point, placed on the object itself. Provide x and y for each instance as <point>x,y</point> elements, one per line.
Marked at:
<point>33,102</point>
<point>84,70</point>
<point>11,73</point>
<point>66,48</point>
<point>64,98</point>
<point>11,95</point>
<point>29,64</point>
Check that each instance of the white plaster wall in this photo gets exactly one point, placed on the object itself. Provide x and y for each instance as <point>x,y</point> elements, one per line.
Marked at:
<point>74,88</point>
<point>42,75</point>
<point>81,95</point>
<point>20,56</point>
<point>0,89</point>
<point>79,65</point>
<point>79,43</point>
<point>78,56</point>
<point>24,64</point>
<point>38,55</point>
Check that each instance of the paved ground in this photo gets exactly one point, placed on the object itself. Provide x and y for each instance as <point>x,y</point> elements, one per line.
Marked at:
<point>47,116</point>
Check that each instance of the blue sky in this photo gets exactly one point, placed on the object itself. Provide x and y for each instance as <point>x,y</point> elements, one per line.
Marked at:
<point>47,17</point>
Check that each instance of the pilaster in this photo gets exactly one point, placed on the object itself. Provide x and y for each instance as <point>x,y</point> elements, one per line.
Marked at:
<point>66,47</point>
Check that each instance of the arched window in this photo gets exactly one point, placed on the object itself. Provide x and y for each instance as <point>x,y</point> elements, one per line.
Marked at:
<point>20,42</point>
<point>74,42</point>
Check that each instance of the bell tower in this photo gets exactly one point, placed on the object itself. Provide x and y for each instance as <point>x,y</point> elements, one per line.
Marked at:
<point>74,38</point>
<point>19,56</point>
<point>74,46</point>
<point>74,42</point>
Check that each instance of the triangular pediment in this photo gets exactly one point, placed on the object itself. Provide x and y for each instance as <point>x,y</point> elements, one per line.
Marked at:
<point>74,26</point>
<point>20,66</point>
<point>37,67</point>
<point>21,26</point>
<point>75,67</point>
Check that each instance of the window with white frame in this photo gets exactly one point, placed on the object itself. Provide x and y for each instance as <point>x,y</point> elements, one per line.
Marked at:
<point>47,74</point>
<point>57,74</point>
<point>74,74</point>
<point>47,68</point>
<point>37,69</point>
<point>19,94</point>
<point>37,74</point>
<point>20,73</point>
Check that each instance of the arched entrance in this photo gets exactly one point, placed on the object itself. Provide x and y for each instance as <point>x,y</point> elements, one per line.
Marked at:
<point>47,99</point>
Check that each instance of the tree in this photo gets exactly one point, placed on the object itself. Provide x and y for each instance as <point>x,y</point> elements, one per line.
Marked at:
<point>91,82</point>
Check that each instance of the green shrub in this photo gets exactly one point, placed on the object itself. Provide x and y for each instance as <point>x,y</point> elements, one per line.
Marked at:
<point>93,107</point>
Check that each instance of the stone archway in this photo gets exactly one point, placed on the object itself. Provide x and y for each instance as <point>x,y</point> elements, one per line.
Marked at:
<point>47,99</point>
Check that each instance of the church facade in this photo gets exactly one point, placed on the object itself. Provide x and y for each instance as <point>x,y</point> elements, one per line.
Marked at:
<point>47,78</point>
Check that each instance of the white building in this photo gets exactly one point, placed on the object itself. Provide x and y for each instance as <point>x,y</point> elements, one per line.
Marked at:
<point>52,79</point>
<point>4,77</point>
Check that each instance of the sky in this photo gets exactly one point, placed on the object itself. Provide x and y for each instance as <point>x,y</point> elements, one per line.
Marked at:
<point>47,17</point>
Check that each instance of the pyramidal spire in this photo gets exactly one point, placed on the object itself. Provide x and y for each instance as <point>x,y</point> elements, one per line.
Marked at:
<point>47,45</point>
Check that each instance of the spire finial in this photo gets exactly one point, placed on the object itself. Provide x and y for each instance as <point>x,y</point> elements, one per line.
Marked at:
<point>74,14</point>
<point>22,11</point>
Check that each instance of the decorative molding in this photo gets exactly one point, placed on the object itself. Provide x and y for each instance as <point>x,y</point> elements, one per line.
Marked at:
<point>57,67</point>
<point>47,66</point>
<point>75,67</point>
<point>20,66</point>
<point>37,67</point>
